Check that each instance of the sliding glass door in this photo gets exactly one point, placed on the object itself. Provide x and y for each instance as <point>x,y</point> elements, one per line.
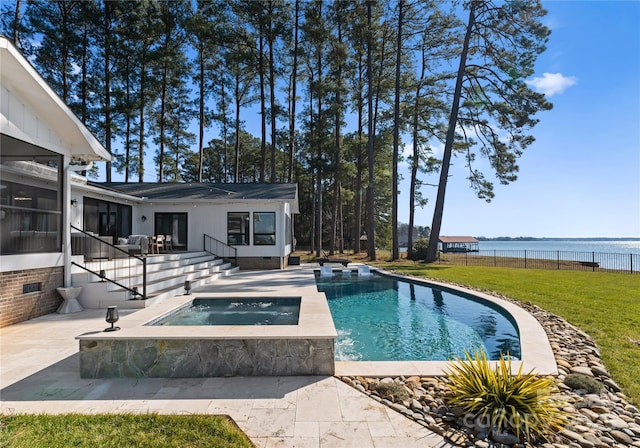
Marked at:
<point>175,225</point>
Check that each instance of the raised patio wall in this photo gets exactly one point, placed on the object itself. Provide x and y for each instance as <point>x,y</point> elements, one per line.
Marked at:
<point>16,305</point>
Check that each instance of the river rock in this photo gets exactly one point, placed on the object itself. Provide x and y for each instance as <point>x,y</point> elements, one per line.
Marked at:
<point>582,370</point>
<point>612,385</point>
<point>621,437</point>
<point>613,421</point>
<point>599,370</point>
<point>505,438</point>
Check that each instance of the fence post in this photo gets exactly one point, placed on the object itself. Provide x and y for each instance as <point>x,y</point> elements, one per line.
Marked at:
<point>495,261</point>
<point>525,259</point>
<point>630,263</point>
<point>558,255</point>
<point>593,262</point>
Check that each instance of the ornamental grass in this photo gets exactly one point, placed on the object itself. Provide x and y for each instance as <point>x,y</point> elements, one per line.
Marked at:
<point>525,405</point>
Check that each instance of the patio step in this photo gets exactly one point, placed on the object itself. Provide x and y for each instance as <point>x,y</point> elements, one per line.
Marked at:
<point>165,273</point>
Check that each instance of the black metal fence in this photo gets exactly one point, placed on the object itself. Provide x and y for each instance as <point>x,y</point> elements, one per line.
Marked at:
<point>547,259</point>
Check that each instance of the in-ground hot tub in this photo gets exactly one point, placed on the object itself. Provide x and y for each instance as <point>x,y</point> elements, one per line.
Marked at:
<point>235,311</point>
<point>142,349</point>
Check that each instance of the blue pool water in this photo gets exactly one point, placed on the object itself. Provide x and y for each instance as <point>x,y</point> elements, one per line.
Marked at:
<point>379,318</point>
<point>236,311</point>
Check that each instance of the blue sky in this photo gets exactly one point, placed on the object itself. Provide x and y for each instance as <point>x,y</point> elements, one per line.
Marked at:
<point>581,178</point>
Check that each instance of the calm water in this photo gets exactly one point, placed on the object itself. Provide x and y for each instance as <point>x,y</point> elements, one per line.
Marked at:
<point>383,319</point>
<point>631,246</point>
<point>280,311</point>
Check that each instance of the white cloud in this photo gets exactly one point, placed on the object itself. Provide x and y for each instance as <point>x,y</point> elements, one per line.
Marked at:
<point>552,83</point>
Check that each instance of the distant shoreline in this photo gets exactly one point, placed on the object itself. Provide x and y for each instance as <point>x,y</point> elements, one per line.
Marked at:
<point>530,238</point>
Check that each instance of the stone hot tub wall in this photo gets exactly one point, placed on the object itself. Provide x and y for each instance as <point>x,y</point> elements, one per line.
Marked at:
<point>191,358</point>
<point>142,350</point>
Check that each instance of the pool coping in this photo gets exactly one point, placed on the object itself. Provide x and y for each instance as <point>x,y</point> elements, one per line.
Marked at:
<point>314,320</point>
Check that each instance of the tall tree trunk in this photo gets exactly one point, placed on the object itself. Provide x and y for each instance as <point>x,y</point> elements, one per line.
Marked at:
<point>338,149</point>
<point>414,171</point>
<point>415,133</point>
<point>272,90</point>
<point>432,249</point>
<point>395,252</point>
<point>107,84</point>
<point>292,102</point>
<point>127,146</point>
<point>359,166</point>
<point>224,131</point>
<point>371,221</point>
<point>319,160</point>
<point>236,163</point>
<point>143,81</point>
<point>263,107</point>
<point>201,87</point>
<point>16,25</point>
<point>163,108</point>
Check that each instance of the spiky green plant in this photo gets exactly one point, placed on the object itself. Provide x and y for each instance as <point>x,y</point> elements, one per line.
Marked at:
<point>524,404</point>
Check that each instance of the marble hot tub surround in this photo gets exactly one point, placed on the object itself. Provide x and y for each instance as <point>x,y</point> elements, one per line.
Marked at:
<point>139,350</point>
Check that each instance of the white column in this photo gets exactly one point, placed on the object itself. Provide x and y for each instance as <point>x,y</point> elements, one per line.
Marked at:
<point>66,220</point>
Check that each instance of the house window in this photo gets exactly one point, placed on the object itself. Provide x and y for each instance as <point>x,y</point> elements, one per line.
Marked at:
<point>238,228</point>
<point>30,199</point>
<point>264,228</point>
<point>107,218</point>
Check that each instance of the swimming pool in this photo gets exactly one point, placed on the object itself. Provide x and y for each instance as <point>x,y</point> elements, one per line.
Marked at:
<point>236,311</point>
<point>379,318</point>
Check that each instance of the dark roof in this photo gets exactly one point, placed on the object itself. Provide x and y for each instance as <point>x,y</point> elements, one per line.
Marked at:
<point>457,239</point>
<point>204,191</point>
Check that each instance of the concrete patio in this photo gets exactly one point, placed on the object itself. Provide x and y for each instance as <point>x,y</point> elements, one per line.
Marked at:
<point>39,373</point>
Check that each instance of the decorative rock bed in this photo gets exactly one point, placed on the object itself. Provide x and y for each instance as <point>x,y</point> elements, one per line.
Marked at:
<point>597,420</point>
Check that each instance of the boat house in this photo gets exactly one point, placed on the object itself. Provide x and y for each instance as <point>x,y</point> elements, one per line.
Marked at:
<point>458,244</point>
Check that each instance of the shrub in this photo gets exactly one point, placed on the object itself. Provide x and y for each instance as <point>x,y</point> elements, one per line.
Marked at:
<point>578,381</point>
<point>419,251</point>
<point>398,391</point>
<point>523,404</point>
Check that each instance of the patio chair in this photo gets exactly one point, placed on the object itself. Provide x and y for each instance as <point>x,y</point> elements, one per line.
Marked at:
<point>160,243</point>
<point>363,271</point>
<point>168,244</point>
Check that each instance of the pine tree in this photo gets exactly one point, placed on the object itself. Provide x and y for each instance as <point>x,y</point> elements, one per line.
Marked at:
<point>500,46</point>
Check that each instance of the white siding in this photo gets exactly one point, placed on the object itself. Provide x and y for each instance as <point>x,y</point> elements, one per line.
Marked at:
<point>20,121</point>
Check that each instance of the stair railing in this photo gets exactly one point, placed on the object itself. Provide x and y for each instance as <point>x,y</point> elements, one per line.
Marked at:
<point>96,249</point>
<point>219,249</point>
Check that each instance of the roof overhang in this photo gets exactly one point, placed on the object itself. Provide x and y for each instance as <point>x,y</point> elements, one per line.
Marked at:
<point>19,76</point>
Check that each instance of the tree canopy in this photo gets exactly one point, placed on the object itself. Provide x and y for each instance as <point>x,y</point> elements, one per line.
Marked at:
<point>345,98</point>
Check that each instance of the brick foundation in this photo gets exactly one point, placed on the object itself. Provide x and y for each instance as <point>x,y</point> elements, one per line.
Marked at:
<point>18,306</point>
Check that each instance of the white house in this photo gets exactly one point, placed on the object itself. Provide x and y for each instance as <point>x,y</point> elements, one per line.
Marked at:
<point>38,134</point>
<point>43,145</point>
<point>256,220</point>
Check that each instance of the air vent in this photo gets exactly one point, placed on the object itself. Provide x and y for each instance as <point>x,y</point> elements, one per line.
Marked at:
<point>31,287</point>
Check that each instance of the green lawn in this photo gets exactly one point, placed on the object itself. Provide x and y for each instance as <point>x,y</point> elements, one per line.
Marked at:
<point>604,305</point>
<point>120,430</point>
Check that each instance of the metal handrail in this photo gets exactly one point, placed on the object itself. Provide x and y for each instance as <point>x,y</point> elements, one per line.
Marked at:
<point>131,257</point>
<point>222,250</point>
